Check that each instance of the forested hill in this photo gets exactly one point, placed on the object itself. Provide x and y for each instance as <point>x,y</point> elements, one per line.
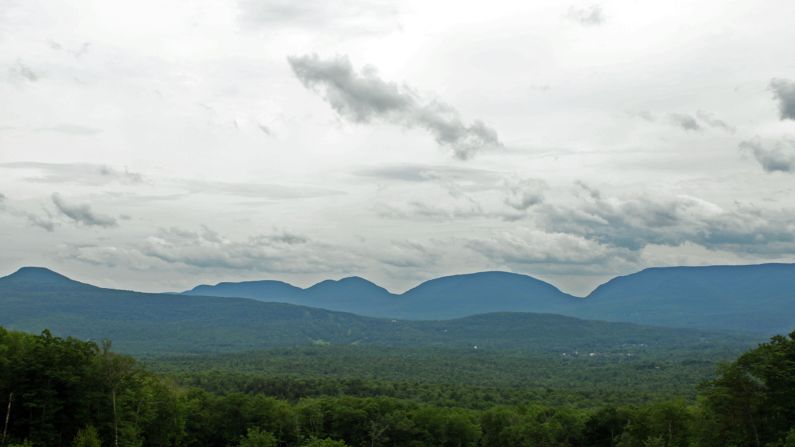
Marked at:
<point>441,298</point>
<point>33,300</point>
<point>751,298</point>
<point>63,392</point>
<point>754,298</point>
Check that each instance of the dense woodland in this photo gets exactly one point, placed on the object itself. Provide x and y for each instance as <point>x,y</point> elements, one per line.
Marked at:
<point>66,392</point>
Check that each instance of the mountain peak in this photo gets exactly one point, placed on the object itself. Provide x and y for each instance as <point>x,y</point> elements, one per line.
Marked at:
<point>39,275</point>
<point>347,282</point>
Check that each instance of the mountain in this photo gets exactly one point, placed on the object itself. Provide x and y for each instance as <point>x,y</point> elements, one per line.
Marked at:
<point>147,323</point>
<point>38,278</point>
<point>476,293</point>
<point>754,298</point>
<point>441,298</point>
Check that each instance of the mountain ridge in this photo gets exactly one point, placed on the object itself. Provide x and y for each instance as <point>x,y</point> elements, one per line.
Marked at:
<point>757,298</point>
<point>724,297</point>
<point>147,323</point>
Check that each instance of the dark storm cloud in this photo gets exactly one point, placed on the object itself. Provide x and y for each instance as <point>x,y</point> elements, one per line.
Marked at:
<point>363,97</point>
<point>590,16</point>
<point>784,92</point>
<point>82,213</point>
<point>772,155</point>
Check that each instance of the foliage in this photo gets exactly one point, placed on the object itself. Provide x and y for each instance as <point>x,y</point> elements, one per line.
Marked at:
<point>636,375</point>
<point>64,392</point>
<point>257,438</point>
<point>87,437</point>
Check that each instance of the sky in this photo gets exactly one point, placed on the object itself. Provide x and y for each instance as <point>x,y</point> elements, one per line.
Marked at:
<point>156,145</point>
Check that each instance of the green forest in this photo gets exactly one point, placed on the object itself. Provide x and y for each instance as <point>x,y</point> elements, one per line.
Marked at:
<point>67,392</point>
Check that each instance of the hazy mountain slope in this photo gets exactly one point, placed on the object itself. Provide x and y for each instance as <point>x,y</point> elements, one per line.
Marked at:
<point>266,290</point>
<point>759,298</point>
<point>441,298</point>
<point>752,298</point>
<point>158,323</point>
<point>477,293</point>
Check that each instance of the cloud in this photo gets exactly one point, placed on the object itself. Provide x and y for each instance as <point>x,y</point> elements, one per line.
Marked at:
<point>463,177</point>
<point>589,16</point>
<point>774,155</point>
<point>690,122</point>
<point>21,72</point>
<point>282,251</point>
<point>82,213</point>
<point>365,97</point>
<point>637,221</point>
<point>784,92</point>
<point>70,129</point>
<point>463,207</point>
<point>255,190</point>
<point>347,16</point>
<point>77,52</point>
<point>685,121</point>
<point>710,120</point>
<point>34,220</point>
<point>525,194</point>
<point>80,173</point>
<point>407,254</point>
<point>37,221</point>
<point>551,252</point>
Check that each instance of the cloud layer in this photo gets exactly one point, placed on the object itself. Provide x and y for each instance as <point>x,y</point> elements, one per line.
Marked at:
<point>773,156</point>
<point>784,92</point>
<point>364,97</point>
<point>81,213</point>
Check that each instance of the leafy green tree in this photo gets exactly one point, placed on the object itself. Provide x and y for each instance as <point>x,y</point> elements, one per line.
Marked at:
<point>752,401</point>
<point>87,437</point>
<point>327,442</point>
<point>604,428</point>
<point>258,438</point>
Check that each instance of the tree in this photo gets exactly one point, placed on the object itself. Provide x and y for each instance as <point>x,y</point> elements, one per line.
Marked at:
<point>258,438</point>
<point>87,437</point>
<point>114,370</point>
<point>752,401</point>
<point>327,442</point>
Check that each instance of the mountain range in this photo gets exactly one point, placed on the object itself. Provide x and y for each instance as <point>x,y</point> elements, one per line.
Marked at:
<point>753,298</point>
<point>33,299</point>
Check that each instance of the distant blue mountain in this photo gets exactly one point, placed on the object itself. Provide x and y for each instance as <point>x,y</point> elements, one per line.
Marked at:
<point>753,298</point>
<point>476,293</point>
<point>149,323</point>
<point>440,298</point>
<point>757,298</point>
<point>38,278</point>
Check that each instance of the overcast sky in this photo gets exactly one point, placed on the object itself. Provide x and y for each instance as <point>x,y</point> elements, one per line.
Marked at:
<point>156,145</point>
